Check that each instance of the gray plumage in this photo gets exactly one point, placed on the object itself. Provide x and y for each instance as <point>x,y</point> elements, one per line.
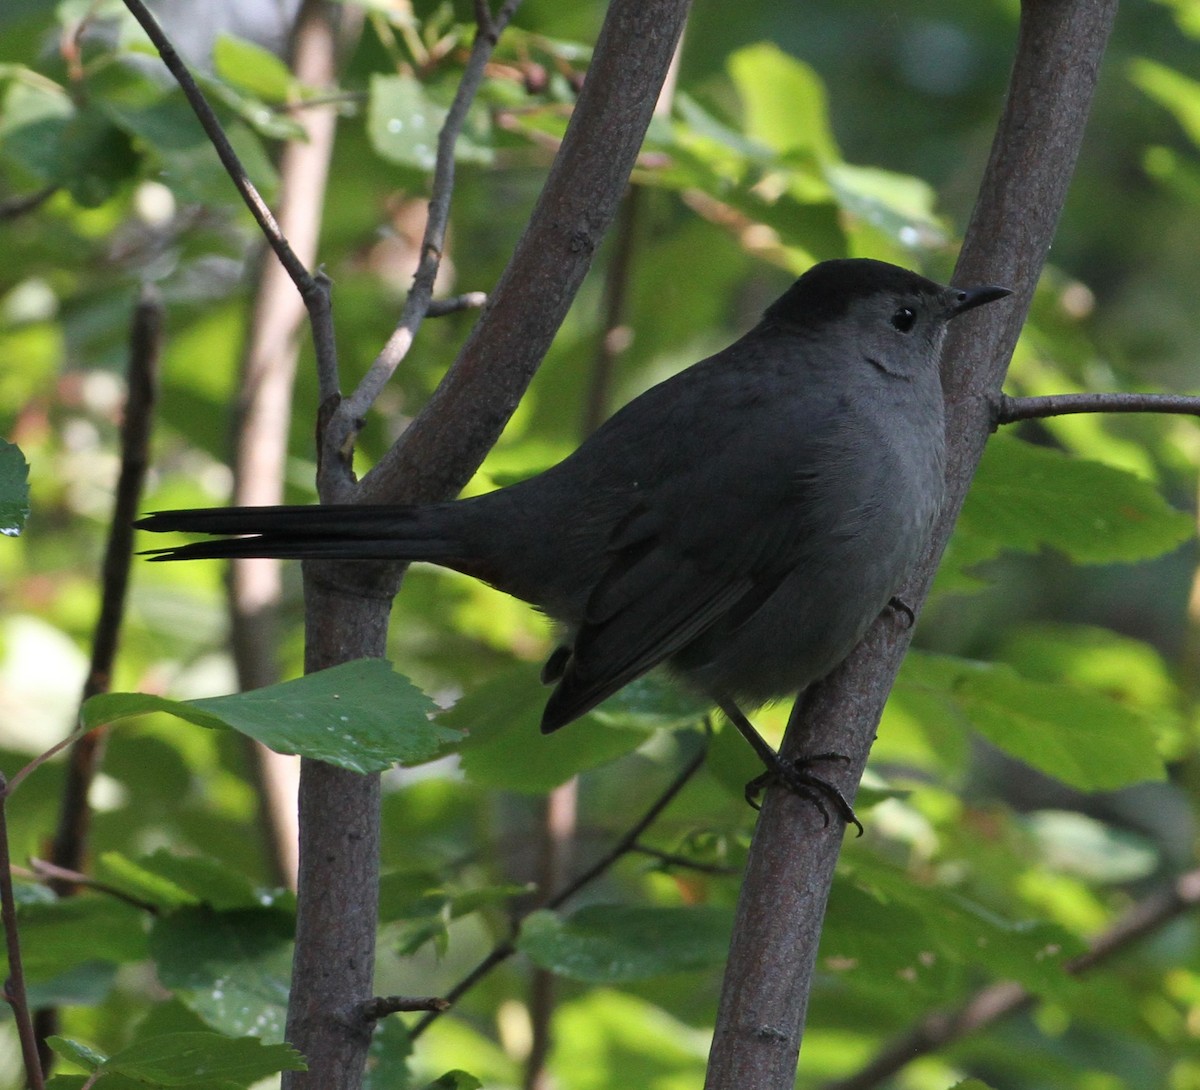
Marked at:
<point>743,521</point>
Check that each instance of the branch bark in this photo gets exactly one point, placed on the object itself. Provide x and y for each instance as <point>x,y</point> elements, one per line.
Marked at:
<point>1011,410</point>
<point>777,928</point>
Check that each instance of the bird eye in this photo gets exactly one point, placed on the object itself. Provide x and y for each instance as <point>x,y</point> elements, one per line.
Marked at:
<point>904,319</point>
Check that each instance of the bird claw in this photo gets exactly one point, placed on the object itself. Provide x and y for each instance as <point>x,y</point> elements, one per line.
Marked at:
<point>797,777</point>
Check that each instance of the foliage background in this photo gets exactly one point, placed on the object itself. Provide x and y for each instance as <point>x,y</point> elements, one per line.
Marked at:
<point>860,129</point>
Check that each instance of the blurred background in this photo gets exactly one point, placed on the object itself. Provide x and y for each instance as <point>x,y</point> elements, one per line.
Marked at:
<point>1058,660</point>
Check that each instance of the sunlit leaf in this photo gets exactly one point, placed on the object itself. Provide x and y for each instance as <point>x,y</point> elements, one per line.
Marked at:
<point>1084,738</point>
<point>252,68</point>
<point>361,716</point>
<point>1025,498</point>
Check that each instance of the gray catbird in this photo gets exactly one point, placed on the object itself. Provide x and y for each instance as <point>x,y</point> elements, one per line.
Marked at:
<point>742,522</point>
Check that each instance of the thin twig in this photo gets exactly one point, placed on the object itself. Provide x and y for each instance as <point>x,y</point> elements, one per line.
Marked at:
<point>14,988</point>
<point>471,300</point>
<point>672,859</point>
<point>70,844</point>
<point>997,1001</point>
<point>313,289</point>
<point>300,275</point>
<point>44,871</point>
<point>15,207</point>
<point>1010,410</point>
<point>347,419</point>
<point>503,951</point>
<point>145,347</point>
<point>15,781</point>
<point>383,1005</point>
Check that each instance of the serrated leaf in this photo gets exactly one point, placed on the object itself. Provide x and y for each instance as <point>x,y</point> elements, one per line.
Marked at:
<point>230,968</point>
<point>1083,738</point>
<point>604,944</point>
<point>1025,498</point>
<point>360,716</point>
<point>14,489</point>
<point>189,1059</point>
<point>252,68</point>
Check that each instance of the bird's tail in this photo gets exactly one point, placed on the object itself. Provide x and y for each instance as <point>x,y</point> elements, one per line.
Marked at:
<point>334,532</point>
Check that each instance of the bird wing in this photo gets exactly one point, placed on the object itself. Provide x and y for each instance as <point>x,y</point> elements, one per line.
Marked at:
<point>653,599</point>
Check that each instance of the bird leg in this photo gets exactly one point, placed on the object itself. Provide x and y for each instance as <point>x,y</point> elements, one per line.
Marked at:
<point>795,775</point>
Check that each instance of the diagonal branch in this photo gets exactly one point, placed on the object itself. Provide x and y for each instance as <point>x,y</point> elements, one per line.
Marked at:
<point>997,1001</point>
<point>441,448</point>
<point>624,845</point>
<point>790,868</point>
<point>314,290</point>
<point>347,419</point>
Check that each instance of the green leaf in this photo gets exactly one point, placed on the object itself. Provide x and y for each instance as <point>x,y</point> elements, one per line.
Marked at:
<point>882,928</point>
<point>63,936</point>
<point>387,1058</point>
<point>604,944</point>
<point>1085,739</point>
<point>76,1052</point>
<point>172,881</point>
<point>191,1059</point>
<point>454,1080</point>
<point>1171,90</point>
<point>14,489</point>
<point>230,968</point>
<point>252,69</point>
<point>361,716</point>
<point>505,747</point>
<point>784,102</point>
<point>403,123</point>
<point>1025,498</point>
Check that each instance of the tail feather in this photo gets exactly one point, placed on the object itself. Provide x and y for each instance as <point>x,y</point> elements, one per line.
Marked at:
<point>335,532</point>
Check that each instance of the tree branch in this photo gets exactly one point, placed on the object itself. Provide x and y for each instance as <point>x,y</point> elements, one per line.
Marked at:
<point>70,844</point>
<point>997,1001</point>
<point>1010,410</point>
<point>347,418</point>
<point>790,868</point>
<point>446,442</point>
<point>14,987</point>
<point>623,846</point>
<point>314,290</point>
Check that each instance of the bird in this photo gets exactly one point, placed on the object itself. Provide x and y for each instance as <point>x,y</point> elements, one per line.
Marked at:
<point>742,522</point>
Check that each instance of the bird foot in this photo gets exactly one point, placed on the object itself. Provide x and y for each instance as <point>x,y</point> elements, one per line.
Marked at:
<point>797,776</point>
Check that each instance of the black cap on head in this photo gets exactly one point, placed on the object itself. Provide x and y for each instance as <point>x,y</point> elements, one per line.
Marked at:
<point>824,292</point>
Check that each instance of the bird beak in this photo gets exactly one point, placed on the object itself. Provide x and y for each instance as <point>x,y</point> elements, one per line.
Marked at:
<point>964,299</point>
